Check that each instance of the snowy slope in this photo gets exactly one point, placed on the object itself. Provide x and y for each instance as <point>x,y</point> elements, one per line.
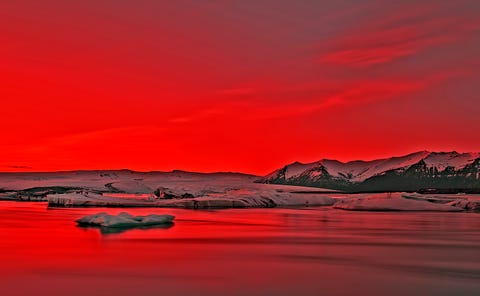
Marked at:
<point>362,170</point>
<point>452,159</point>
<point>425,165</point>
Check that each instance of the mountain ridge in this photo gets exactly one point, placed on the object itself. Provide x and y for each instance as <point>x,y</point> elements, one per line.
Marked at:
<point>410,172</point>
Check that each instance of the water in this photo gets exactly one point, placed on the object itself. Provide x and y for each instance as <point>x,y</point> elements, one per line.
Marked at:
<point>313,251</point>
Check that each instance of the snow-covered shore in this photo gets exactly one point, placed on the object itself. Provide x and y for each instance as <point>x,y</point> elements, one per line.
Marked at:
<point>257,196</point>
<point>267,197</point>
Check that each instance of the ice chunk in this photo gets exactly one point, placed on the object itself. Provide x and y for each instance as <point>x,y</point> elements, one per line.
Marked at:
<point>469,205</point>
<point>391,202</point>
<point>124,220</point>
<point>443,199</point>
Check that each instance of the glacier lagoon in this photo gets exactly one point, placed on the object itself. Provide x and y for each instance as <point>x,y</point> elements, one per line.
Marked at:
<point>308,251</point>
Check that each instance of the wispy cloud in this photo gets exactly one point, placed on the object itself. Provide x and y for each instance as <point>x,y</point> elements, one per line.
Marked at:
<point>329,95</point>
<point>17,167</point>
<point>95,138</point>
<point>239,91</point>
<point>391,40</point>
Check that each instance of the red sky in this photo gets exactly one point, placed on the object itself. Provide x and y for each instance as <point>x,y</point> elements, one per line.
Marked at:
<point>234,85</point>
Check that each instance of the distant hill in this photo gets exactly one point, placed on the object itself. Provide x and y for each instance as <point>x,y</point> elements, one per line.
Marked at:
<point>110,180</point>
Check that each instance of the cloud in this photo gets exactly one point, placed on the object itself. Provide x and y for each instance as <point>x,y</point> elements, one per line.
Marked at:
<point>17,167</point>
<point>348,95</point>
<point>383,42</point>
<point>240,91</point>
<point>361,92</point>
<point>199,114</point>
<point>95,138</point>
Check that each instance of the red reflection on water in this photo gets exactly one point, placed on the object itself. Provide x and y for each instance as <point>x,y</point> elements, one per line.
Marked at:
<point>240,252</point>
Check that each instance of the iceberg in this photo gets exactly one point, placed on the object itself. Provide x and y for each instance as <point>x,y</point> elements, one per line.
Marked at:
<point>124,220</point>
<point>391,202</point>
<point>468,205</point>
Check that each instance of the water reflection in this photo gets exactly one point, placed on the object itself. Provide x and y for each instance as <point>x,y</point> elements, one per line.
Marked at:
<point>314,251</point>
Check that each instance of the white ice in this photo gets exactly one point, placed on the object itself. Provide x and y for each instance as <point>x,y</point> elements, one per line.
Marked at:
<point>391,202</point>
<point>124,220</point>
<point>206,195</point>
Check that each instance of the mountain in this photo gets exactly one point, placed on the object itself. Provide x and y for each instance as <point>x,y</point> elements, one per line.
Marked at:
<point>416,171</point>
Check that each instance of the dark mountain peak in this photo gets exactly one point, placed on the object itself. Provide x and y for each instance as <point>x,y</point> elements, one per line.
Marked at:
<point>414,171</point>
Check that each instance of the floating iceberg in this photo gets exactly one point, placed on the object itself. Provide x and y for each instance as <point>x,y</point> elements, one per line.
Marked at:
<point>443,199</point>
<point>124,220</point>
<point>469,205</point>
<point>391,202</point>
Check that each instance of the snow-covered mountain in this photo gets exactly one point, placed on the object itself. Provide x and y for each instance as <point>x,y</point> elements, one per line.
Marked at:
<point>415,171</point>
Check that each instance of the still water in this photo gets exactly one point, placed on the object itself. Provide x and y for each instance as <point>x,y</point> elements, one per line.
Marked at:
<point>312,251</point>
